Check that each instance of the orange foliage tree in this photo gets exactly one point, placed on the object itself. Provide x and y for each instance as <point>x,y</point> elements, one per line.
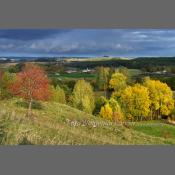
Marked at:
<point>31,84</point>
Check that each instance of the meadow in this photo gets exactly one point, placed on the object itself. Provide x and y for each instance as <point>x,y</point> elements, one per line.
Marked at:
<point>55,123</point>
<point>73,76</point>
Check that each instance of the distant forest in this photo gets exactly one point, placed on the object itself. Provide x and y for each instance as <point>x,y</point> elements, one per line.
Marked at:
<point>149,64</point>
<point>146,64</point>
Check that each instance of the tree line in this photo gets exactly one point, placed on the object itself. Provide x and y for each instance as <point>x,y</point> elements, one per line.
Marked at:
<point>122,100</point>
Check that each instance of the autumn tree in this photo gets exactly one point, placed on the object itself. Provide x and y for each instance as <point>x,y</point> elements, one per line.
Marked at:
<point>6,79</point>
<point>57,94</point>
<point>118,115</point>
<point>161,97</point>
<point>103,75</point>
<point>117,83</point>
<point>83,96</point>
<point>111,110</point>
<point>122,70</point>
<point>31,84</point>
<point>99,102</point>
<point>106,112</point>
<point>135,101</point>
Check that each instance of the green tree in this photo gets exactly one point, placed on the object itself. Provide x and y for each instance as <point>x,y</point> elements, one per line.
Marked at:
<point>16,68</point>
<point>5,82</point>
<point>83,96</point>
<point>123,70</point>
<point>103,75</point>
<point>58,94</point>
<point>99,102</point>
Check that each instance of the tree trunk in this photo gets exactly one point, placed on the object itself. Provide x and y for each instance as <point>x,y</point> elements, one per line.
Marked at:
<point>30,108</point>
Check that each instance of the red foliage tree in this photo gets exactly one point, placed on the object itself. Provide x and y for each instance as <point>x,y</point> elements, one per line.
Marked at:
<point>31,84</point>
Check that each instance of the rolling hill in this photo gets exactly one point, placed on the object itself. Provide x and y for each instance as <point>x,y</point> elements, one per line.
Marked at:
<point>59,124</point>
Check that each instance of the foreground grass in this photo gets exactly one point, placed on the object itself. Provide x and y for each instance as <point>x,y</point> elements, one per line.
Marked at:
<point>55,124</point>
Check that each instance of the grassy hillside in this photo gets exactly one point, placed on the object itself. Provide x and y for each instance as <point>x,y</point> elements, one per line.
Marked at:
<point>54,124</point>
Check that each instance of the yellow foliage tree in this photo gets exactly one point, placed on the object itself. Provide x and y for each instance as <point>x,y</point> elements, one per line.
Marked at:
<point>117,112</point>
<point>86,104</point>
<point>161,97</point>
<point>103,75</point>
<point>112,111</point>
<point>58,94</point>
<point>83,96</point>
<point>135,101</point>
<point>117,83</point>
<point>106,112</point>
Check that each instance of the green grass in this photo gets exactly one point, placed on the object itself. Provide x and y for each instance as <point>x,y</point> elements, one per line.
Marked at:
<point>156,128</point>
<point>58,124</point>
<point>78,75</point>
<point>134,72</point>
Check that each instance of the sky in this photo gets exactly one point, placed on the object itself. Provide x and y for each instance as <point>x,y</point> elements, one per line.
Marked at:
<point>87,42</point>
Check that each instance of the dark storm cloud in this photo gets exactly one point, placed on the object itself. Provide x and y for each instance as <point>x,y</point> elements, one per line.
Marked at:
<point>97,42</point>
<point>29,34</point>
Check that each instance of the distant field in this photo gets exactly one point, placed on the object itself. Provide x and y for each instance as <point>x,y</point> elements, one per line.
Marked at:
<point>6,65</point>
<point>94,59</point>
<point>134,72</point>
<point>78,75</point>
<point>73,76</point>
